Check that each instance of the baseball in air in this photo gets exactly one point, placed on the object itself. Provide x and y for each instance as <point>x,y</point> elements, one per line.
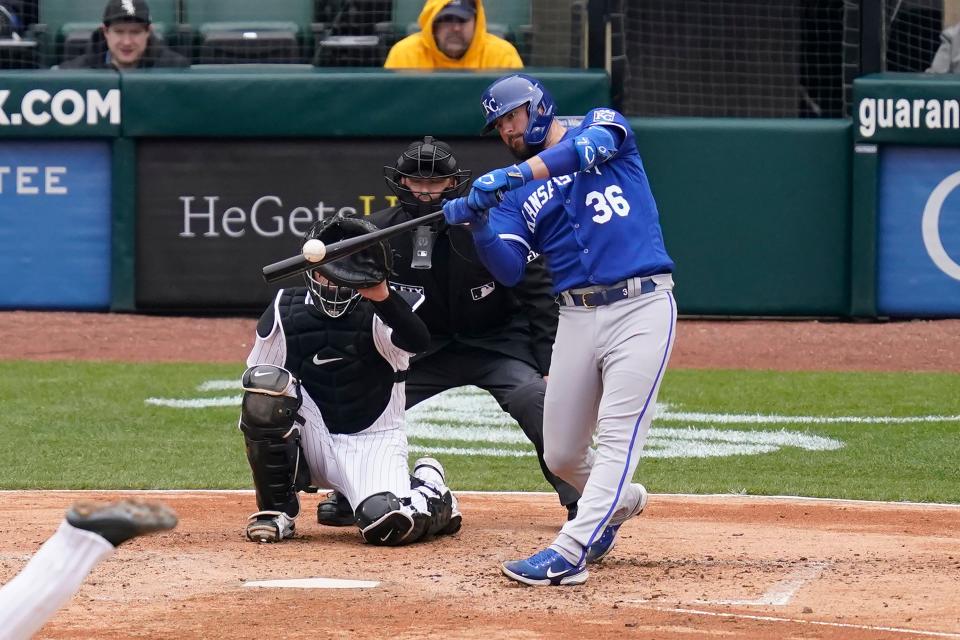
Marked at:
<point>314,250</point>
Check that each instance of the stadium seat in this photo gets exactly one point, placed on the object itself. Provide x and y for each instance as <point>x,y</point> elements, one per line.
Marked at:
<point>249,31</point>
<point>66,25</point>
<point>17,53</point>
<point>350,51</point>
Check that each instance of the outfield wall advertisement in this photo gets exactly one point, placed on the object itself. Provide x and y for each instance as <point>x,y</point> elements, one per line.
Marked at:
<point>918,229</point>
<point>55,224</point>
<point>211,214</point>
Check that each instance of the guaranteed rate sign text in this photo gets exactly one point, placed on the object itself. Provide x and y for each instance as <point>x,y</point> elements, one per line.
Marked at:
<point>875,114</point>
<point>67,107</point>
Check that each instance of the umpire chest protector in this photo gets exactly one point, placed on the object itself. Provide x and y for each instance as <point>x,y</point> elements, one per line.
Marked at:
<point>337,362</point>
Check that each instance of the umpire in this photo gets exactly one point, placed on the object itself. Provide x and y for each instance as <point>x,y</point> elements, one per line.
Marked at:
<point>482,333</point>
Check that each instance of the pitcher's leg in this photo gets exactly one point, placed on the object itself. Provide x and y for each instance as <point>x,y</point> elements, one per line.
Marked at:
<point>50,579</point>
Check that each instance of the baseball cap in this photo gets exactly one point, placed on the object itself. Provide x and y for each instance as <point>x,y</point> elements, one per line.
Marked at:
<point>127,11</point>
<point>462,9</point>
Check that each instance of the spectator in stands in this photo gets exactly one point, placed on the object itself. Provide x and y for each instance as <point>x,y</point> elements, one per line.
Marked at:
<point>947,58</point>
<point>453,35</point>
<point>126,41</point>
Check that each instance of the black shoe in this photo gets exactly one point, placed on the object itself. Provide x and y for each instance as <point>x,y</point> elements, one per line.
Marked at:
<point>120,521</point>
<point>335,511</point>
<point>571,511</point>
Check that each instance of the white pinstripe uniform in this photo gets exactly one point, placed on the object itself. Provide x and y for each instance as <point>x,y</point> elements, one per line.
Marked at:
<point>358,465</point>
<point>51,578</point>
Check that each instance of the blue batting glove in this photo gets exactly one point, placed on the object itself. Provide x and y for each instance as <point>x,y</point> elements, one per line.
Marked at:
<point>459,212</point>
<point>487,190</point>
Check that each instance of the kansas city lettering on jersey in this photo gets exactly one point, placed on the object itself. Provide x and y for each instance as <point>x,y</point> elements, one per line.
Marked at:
<point>541,196</point>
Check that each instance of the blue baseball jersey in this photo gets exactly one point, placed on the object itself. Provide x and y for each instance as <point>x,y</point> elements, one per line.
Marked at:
<point>595,227</point>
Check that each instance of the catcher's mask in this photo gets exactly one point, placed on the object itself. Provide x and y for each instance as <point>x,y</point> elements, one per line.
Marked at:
<point>333,286</point>
<point>426,161</point>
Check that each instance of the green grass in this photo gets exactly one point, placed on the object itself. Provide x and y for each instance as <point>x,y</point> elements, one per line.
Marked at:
<point>86,425</point>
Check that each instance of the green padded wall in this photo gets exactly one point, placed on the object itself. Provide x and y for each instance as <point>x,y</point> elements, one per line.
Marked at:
<point>755,213</point>
<point>324,102</point>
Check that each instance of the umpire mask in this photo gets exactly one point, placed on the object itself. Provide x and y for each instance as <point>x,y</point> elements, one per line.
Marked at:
<point>425,175</point>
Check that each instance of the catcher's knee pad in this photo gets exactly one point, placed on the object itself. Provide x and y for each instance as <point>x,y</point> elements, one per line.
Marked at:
<point>269,422</point>
<point>384,521</point>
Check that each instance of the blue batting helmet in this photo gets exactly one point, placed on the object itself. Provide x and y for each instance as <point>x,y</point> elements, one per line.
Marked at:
<point>510,92</point>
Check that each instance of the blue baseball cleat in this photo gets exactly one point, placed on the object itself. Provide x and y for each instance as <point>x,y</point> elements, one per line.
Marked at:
<point>545,568</point>
<point>604,544</point>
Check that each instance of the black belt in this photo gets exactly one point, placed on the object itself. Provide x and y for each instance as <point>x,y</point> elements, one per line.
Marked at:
<point>606,296</point>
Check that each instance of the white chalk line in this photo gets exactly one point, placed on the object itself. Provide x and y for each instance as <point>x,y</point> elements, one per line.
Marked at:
<point>782,592</point>
<point>313,583</point>
<point>842,625</point>
<point>470,415</point>
<point>539,494</point>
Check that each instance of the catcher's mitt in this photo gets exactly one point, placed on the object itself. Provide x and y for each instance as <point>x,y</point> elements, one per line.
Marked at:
<point>360,270</point>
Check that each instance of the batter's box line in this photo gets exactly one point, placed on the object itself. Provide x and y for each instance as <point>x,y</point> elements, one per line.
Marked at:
<point>821,623</point>
<point>782,592</point>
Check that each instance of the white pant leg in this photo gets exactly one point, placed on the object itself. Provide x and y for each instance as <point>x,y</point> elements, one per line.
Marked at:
<point>371,462</point>
<point>572,398</point>
<point>49,580</point>
<point>357,465</point>
<point>637,337</point>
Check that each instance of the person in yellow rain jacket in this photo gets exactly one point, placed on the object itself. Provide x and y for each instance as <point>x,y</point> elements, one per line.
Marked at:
<point>453,35</point>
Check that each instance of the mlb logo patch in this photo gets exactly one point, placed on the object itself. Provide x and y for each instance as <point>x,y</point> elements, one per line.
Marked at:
<point>604,115</point>
<point>481,292</point>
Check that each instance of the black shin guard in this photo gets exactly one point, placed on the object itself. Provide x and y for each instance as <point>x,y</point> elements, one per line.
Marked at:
<point>268,421</point>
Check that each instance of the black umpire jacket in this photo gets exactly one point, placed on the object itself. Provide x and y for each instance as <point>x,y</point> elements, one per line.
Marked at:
<point>464,304</point>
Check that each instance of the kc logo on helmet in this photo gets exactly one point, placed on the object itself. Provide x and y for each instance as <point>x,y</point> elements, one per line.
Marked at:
<point>490,105</point>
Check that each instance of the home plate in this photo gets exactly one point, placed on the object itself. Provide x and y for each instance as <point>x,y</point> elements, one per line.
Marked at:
<point>314,583</point>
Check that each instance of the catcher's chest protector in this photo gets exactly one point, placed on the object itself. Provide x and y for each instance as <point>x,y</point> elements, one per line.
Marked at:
<point>337,362</point>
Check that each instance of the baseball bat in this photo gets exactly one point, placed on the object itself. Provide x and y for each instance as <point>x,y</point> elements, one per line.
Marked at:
<point>298,264</point>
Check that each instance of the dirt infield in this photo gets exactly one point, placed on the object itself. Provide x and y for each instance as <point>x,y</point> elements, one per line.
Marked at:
<point>689,567</point>
<point>742,344</point>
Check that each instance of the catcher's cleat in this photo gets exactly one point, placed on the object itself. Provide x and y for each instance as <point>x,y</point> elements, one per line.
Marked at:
<point>335,511</point>
<point>456,518</point>
<point>430,470</point>
<point>270,526</point>
<point>120,521</point>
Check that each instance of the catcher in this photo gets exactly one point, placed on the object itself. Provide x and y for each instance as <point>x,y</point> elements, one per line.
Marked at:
<point>323,401</point>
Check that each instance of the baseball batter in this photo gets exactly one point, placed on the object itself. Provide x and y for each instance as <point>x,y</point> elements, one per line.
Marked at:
<point>324,402</point>
<point>581,198</point>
